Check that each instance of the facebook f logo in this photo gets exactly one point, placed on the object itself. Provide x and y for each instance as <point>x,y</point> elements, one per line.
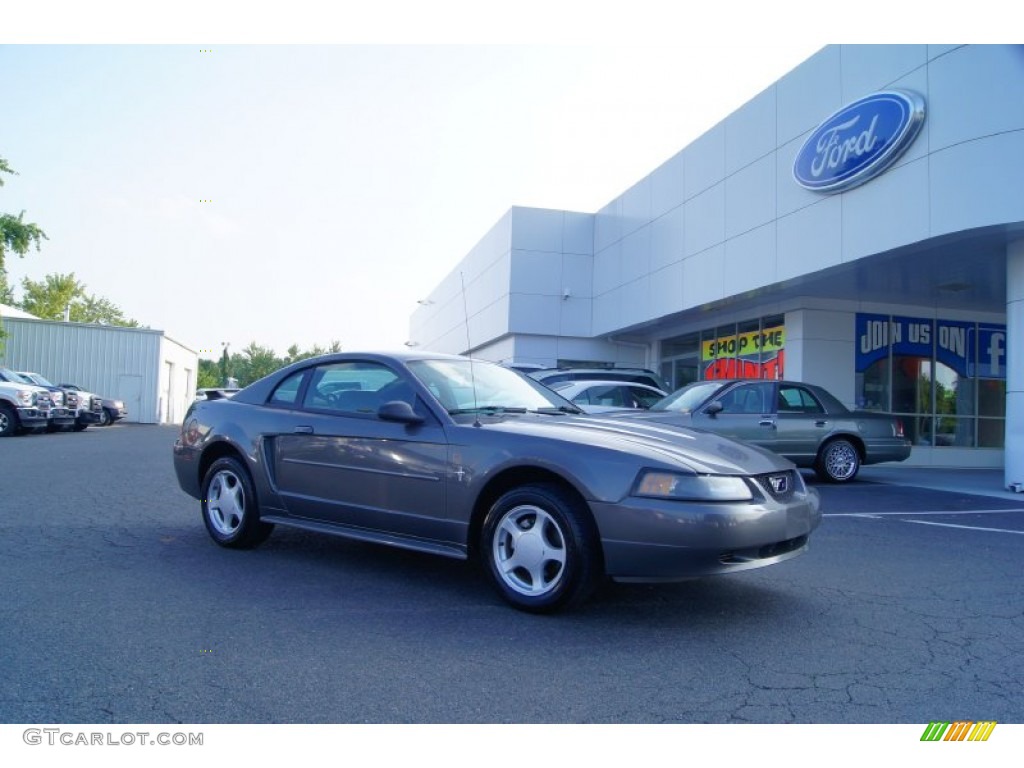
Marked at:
<point>996,353</point>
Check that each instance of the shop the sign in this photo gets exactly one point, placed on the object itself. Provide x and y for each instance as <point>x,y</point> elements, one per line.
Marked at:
<point>752,355</point>
<point>859,141</point>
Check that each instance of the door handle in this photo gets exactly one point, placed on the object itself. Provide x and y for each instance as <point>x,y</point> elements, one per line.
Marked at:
<point>821,423</point>
<point>303,430</point>
<point>767,423</point>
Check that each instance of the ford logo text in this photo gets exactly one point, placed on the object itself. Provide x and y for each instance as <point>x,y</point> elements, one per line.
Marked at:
<point>859,141</point>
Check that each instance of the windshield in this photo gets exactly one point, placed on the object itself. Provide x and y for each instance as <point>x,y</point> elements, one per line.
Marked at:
<point>6,374</point>
<point>35,378</point>
<point>689,397</point>
<point>464,386</point>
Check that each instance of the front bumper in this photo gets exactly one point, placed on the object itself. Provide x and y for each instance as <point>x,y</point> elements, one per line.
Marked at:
<point>89,417</point>
<point>186,468</point>
<point>29,418</point>
<point>61,417</point>
<point>658,540</point>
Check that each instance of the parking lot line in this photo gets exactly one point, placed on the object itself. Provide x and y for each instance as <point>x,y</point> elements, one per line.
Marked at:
<point>964,527</point>
<point>946,513</point>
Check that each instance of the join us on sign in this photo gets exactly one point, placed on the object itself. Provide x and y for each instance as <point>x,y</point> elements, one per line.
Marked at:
<point>971,349</point>
<point>882,333</point>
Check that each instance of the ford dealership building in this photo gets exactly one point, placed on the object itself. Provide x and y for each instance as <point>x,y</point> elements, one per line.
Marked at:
<point>858,225</point>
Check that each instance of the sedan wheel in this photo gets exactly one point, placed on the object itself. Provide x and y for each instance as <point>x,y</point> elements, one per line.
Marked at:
<point>105,418</point>
<point>838,461</point>
<point>541,548</point>
<point>229,506</point>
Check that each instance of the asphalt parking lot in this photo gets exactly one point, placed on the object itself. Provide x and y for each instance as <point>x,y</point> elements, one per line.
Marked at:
<point>115,607</point>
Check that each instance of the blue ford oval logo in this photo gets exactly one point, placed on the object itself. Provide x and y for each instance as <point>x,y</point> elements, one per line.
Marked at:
<point>859,141</point>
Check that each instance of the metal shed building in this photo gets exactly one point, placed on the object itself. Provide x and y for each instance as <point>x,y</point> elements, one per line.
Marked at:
<point>153,374</point>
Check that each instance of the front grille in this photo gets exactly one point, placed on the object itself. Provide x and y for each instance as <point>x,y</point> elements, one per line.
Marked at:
<point>779,485</point>
<point>781,547</point>
<point>753,554</point>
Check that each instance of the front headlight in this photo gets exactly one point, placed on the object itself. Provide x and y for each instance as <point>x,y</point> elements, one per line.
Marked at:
<point>26,398</point>
<point>670,485</point>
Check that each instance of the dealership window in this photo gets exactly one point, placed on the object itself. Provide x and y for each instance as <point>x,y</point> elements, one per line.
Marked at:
<point>946,379</point>
<point>753,349</point>
<point>680,360</point>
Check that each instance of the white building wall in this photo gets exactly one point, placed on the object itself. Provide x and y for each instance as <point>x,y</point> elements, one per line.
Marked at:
<point>476,289</point>
<point>1014,441</point>
<point>177,386</point>
<point>820,349</point>
<point>724,216</point>
<point>691,246</point>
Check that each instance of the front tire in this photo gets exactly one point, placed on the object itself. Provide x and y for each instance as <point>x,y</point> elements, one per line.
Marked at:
<point>838,461</point>
<point>541,548</point>
<point>106,419</point>
<point>9,423</point>
<point>229,506</point>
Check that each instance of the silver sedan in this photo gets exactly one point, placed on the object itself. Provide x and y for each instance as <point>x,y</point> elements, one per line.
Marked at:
<point>800,421</point>
<point>601,396</point>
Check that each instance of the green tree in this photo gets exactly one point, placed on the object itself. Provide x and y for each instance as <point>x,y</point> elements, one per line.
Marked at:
<point>49,297</point>
<point>16,234</point>
<point>6,292</point>
<point>225,366</point>
<point>96,309</point>
<point>209,374</point>
<point>256,363</point>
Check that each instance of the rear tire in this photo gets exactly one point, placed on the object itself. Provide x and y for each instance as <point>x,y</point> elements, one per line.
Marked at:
<point>838,461</point>
<point>230,510</point>
<point>541,548</point>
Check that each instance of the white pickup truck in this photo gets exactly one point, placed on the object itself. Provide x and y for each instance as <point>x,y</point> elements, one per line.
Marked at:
<point>85,407</point>
<point>23,406</point>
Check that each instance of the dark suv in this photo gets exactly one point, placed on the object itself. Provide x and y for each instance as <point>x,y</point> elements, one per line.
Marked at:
<point>646,376</point>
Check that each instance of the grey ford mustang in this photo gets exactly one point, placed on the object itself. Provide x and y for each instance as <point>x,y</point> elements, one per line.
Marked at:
<point>464,458</point>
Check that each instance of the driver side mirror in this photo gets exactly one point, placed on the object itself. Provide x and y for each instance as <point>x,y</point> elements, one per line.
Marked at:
<point>714,409</point>
<point>399,410</point>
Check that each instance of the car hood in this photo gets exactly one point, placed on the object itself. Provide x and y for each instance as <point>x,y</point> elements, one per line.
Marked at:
<point>703,452</point>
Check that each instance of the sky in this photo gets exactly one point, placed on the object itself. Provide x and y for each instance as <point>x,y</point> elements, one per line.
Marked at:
<point>307,179</point>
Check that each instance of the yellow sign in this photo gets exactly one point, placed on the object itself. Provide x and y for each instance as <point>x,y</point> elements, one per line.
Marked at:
<point>745,344</point>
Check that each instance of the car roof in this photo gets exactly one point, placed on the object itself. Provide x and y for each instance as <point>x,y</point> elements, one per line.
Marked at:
<point>584,383</point>
<point>259,391</point>
<point>616,369</point>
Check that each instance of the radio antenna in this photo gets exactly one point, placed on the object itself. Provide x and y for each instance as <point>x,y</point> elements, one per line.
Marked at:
<point>469,351</point>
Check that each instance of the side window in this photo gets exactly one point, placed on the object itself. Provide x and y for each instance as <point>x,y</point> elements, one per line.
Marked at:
<point>607,396</point>
<point>798,400</point>
<point>355,388</point>
<point>287,392</point>
<point>645,397</point>
<point>748,399</point>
